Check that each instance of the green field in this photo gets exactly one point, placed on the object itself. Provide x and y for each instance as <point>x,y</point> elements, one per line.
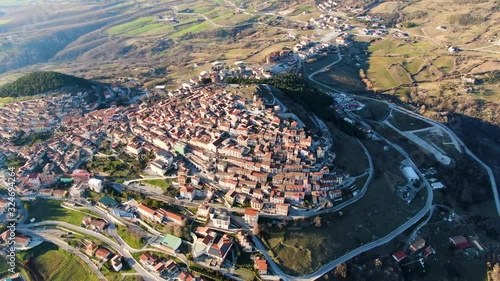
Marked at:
<point>444,63</point>
<point>383,72</point>
<point>130,237</point>
<point>197,28</point>
<point>53,263</point>
<point>145,24</point>
<point>163,184</point>
<point>44,210</point>
<point>413,65</point>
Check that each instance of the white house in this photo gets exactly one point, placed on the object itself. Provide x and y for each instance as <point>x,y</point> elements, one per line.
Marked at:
<point>96,185</point>
<point>116,263</point>
<point>220,218</point>
<point>187,192</point>
<point>410,174</point>
<point>251,217</point>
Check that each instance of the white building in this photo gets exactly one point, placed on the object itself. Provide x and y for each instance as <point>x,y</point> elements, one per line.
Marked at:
<point>251,217</point>
<point>95,185</point>
<point>410,174</point>
<point>116,263</point>
<point>220,218</point>
<point>187,192</point>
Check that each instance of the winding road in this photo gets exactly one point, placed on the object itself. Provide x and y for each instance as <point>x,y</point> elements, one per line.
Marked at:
<point>332,264</point>
<point>123,249</point>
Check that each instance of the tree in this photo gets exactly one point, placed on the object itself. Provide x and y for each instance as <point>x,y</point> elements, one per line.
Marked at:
<point>494,274</point>
<point>341,270</point>
<point>317,221</point>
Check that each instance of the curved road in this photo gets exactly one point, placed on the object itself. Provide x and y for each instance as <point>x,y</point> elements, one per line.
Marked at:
<point>125,252</point>
<point>68,248</point>
<point>332,264</point>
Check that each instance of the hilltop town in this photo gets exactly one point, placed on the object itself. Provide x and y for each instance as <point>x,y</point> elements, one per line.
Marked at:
<point>251,165</point>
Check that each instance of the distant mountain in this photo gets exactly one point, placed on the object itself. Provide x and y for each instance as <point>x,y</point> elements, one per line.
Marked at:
<point>40,82</point>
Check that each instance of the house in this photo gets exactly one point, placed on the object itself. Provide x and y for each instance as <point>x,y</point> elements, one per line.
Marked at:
<point>45,192</point>
<point>186,276</point>
<point>399,256</point>
<point>107,202</point>
<point>22,240</point>
<point>417,244</point>
<point>220,218</point>
<point>94,223</point>
<point>89,247</point>
<point>256,203</point>
<point>282,209</point>
<point>146,212</point>
<point>428,251</point>
<point>148,259</point>
<point>171,242</point>
<point>102,253</point>
<point>251,217</point>
<point>171,266</point>
<point>469,79</point>
<point>59,193</point>
<point>245,241</point>
<point>135,148</point>
<point>187,192</point>
<point>96,185</point>
<point>230,196</point>
<point>116,263</point>
<point>260,264</point>
<point>203,212</point>
<point>220,248</point>
<point>159,267</point>
<point>172,217</point>
<point>460,242</point>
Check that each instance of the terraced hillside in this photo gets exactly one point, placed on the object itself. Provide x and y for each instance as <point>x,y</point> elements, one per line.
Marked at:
<point>136,38</point>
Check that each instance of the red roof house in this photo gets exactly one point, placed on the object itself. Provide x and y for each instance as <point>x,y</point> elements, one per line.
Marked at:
<point>460,242</point>
<point>399,255</point>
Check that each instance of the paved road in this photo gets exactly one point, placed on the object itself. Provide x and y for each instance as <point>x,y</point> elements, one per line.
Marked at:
<point>310,76</point>
<point>147,178</point>
<point>124,250</point>
<point>63,245</point>
<point>332,264</point>
<point>307,214</point>
<point>455,139</point>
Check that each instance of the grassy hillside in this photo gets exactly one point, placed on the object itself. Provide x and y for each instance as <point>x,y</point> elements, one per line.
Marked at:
<point>52,263</point>
<point>40,82</point>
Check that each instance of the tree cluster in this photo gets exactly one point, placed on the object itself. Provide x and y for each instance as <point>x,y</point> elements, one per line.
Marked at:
<point>215,275</point>
<point>40,82</point>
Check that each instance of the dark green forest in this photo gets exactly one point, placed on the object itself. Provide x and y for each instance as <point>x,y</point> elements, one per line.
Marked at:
<point>40,82</point>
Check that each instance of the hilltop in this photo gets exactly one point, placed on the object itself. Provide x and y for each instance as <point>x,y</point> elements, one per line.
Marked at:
<point>40,82</point>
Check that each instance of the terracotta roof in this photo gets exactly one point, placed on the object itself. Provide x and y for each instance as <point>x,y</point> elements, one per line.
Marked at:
<point>102,253</point>
<point>399,255</point>
<point>251,212</point>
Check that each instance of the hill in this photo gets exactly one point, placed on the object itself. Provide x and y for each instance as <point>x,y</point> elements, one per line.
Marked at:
<point>40,82</point>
